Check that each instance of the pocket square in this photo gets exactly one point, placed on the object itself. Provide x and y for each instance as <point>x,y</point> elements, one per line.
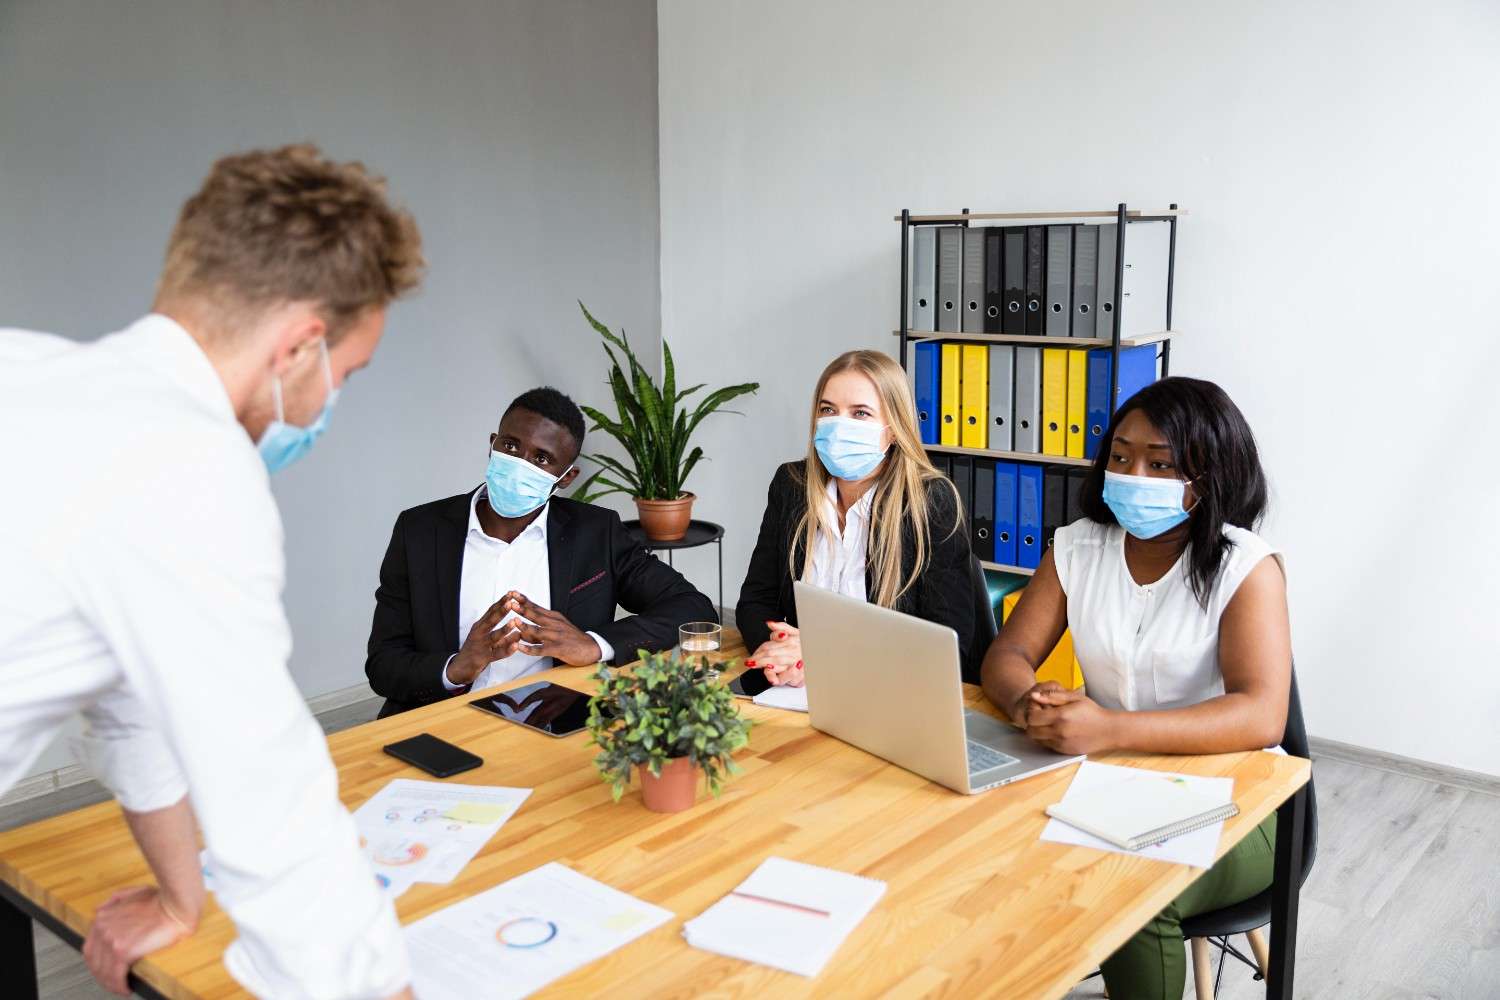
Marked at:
<point>590,581</point>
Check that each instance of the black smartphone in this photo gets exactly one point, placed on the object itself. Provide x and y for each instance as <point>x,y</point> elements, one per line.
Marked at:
<point>438,758</point>
<point>749,684</point>
<point>546,707</point>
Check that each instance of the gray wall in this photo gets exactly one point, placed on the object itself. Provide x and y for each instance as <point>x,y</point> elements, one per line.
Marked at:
<point>1337,273</point>
<point>521,134</point>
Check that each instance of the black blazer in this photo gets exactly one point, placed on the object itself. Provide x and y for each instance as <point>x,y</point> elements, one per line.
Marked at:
<point>943,593</point>
<point>593,564</point>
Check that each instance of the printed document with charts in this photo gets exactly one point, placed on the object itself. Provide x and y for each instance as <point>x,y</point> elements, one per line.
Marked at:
<point>427,831</point>
<point>787,915</point>
<point>519,936</point>
<point>422,831</point>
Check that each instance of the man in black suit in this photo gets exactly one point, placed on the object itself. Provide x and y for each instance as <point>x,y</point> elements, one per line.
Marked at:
<point>523,577</point>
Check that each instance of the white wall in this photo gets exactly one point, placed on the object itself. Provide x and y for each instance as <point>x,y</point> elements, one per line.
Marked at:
<point>1337,275</point>
<point>521,134</point>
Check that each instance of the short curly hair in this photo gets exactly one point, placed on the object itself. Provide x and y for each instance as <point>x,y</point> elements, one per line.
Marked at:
<point>289,225</point>
<point>555,405</point>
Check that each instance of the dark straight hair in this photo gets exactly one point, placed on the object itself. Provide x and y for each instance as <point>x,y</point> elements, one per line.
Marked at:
<point>1214,449</point>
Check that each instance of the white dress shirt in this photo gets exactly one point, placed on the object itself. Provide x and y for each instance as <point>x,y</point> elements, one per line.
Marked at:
<point>838,564</point>
<point>491,569</point>
<point>142,587</point>
<point>1146,646</point>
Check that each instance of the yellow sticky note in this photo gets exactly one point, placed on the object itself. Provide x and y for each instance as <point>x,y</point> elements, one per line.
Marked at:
<point>475,812</point>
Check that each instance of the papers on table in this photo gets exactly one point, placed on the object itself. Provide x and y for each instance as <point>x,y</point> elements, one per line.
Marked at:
<point>422,831</point>
<point>793,699</point>
<point>426,831</point>
<point>1128,798</point>
<point>787,915</point>
<point>521,935</point>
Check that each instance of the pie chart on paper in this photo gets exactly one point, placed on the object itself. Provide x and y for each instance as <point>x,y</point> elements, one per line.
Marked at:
<point>526,932</point>
<point>400,852</point>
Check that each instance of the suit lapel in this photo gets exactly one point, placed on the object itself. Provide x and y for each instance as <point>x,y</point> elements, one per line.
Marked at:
<point>560,552</point>
<point>448,555</point>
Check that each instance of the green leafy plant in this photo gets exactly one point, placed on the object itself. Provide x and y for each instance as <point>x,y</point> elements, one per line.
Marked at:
<point>651,423</point>
<point>665,707</point>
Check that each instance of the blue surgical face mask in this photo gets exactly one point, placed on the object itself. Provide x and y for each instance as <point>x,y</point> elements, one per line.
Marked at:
<point>1145,506</point>
<point>515,486</point>
<point>850,449</point>
<point>282,443</point>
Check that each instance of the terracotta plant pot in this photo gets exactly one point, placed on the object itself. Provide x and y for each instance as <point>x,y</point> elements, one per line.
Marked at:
<point>675,790</point>
<point>665,520</point>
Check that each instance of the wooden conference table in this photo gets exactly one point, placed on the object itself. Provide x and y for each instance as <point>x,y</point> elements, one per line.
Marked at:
<point>976,905</point>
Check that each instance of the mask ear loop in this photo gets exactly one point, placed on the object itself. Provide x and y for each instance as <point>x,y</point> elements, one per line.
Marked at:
<point>1197,497</point>
<point>327,365</point>
<point>327,377</point>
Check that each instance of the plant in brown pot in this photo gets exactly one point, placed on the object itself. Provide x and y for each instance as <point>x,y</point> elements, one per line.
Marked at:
<point>654,429</point>
<point>667,720</point>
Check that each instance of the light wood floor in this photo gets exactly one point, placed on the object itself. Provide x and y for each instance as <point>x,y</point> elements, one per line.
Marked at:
<point>1403,903</point>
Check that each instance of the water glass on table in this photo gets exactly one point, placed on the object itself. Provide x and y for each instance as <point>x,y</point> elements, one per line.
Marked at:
<point>702,639</point>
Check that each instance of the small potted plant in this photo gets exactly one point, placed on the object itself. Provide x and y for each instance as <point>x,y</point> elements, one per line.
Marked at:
<point>665,718</point>
<point>654,431</point>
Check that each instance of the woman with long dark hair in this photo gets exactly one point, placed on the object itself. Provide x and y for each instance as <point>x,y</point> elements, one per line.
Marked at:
<point>1179,621</point>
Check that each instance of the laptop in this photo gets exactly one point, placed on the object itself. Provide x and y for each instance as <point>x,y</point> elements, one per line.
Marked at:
<point>889,684</point>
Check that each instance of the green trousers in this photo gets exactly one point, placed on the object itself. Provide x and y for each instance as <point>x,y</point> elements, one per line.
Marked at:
<point>1153,964</point>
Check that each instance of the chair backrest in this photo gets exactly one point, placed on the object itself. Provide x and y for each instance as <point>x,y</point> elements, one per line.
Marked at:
<point>984,622</point>
<point>1294,742</point>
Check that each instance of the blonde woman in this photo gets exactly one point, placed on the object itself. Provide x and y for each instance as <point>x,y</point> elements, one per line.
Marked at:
<point>881,523</point>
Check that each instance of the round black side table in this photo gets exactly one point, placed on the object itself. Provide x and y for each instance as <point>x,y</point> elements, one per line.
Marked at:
<point>698,533</point>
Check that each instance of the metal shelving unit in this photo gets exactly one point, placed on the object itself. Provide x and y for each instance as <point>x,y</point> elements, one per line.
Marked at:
<point>1121,215</point>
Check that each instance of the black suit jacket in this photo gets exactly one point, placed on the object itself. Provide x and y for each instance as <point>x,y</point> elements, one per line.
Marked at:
<point>944,592</point>
<point>593,565</point>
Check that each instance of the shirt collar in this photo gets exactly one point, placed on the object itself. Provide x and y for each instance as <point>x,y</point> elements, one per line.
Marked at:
<point>172,351</point>
<point>861,509</point>
<point>536,529</point>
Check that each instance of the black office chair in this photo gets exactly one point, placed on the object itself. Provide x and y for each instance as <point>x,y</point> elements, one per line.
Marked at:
<point>985,629</point>
<point>1248,916</point>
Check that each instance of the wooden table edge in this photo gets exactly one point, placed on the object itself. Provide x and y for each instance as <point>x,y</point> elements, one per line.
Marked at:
<point>151,981</point>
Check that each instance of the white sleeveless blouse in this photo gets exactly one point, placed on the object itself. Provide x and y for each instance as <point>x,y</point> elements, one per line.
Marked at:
<point>1146,647</point>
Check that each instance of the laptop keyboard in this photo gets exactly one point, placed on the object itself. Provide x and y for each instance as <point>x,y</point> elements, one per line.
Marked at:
<point>982,758</point>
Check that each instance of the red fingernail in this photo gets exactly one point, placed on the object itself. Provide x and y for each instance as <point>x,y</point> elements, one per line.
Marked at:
<point>799,664</point>
<point>749,663</point>
<point>781,635</point>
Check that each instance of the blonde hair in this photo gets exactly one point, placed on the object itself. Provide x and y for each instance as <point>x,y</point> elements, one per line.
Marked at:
<point>289,225</point>
<point>900,494</point>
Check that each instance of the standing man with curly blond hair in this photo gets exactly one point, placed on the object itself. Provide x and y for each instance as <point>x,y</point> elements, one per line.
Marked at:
<point>143,569</point>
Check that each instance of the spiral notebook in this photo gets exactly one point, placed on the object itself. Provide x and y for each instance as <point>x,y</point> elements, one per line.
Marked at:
<point>787,914</point>
<point>1174,817</point>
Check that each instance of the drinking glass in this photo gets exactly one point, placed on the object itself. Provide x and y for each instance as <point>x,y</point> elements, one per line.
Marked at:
<point>702,639</point>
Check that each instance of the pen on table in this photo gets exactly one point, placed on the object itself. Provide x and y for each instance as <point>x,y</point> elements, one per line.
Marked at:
<point>781,902</point>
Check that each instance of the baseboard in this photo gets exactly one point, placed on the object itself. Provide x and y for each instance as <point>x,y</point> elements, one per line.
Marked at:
<point>46,782</point>
<point>1454,777</point>
<point>338,699</point>
<point>30,788</point>
<point>77,774</point>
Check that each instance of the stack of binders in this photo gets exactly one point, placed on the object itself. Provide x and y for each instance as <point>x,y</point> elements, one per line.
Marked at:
<point>1053,281</point>
<point>1041,401</point>
<point>1051,399</point>
<point>1012,509</point>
